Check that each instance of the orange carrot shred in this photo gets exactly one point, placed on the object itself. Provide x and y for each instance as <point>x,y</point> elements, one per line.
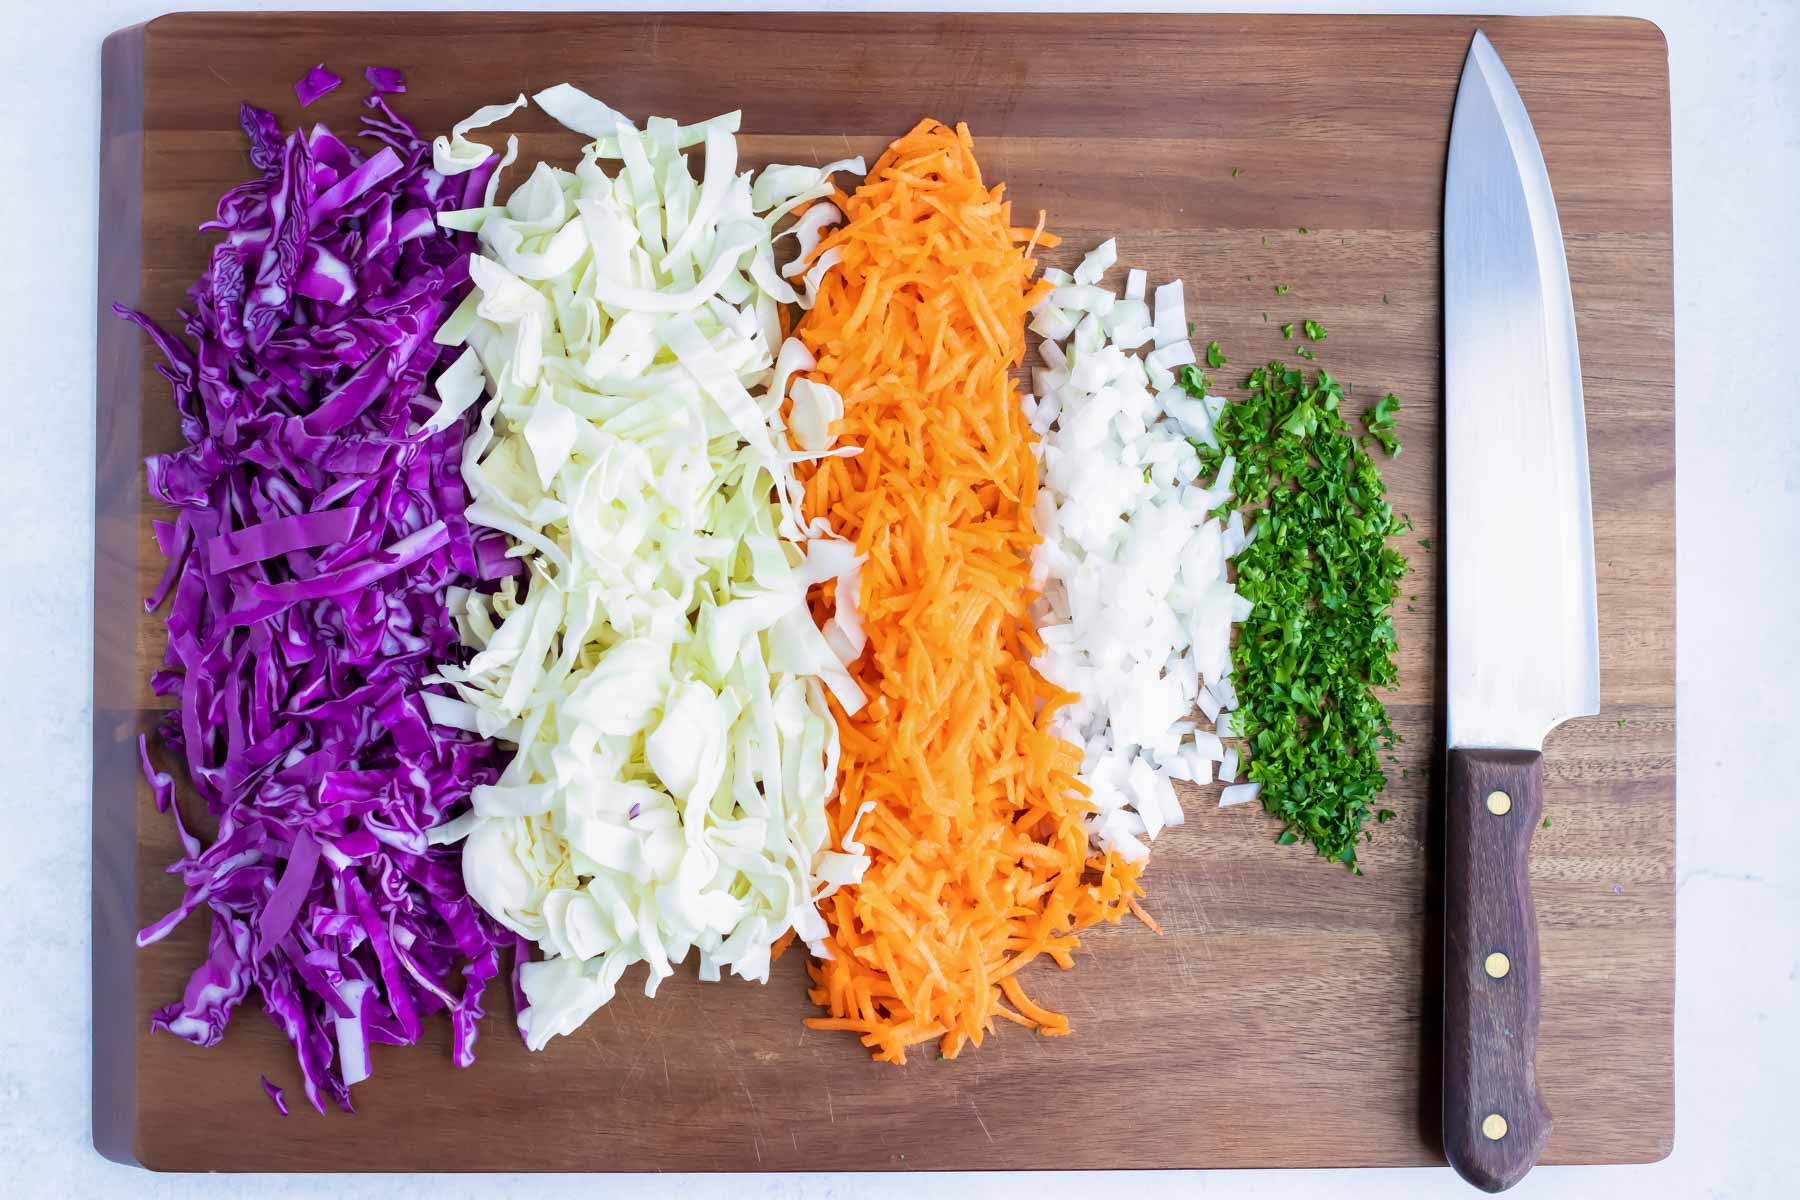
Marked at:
<point>1137,910</point>
<point>979,859</point>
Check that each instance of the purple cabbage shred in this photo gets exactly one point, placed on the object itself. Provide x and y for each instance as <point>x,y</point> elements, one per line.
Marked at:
<point>316,529</point>
<point>385,79</point>
<point>315,83</point>
<point>276,1096</point>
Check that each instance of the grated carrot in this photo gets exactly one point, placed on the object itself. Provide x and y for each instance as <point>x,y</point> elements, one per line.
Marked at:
<point>1150,922</point>
<point>979,861</point>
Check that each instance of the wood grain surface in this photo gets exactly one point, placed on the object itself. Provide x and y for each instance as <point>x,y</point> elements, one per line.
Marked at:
<point>1288,1015</point>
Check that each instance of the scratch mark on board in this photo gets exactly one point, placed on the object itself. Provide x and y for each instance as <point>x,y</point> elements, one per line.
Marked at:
<point>976,1109</point>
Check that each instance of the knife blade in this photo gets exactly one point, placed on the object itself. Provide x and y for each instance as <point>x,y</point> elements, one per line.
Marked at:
<point>1522,644</point>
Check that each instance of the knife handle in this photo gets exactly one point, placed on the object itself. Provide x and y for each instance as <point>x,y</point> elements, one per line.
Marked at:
<point>1495,1120</point>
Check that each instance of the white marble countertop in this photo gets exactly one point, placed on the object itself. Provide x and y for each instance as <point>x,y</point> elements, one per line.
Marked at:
<point>1736,101</point>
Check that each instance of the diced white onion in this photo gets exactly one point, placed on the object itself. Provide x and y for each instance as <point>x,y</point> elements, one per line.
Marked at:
<point>1242,793</point>
<point>1099,260</point>
<point>1171,314</point>
<point>1136,606</point>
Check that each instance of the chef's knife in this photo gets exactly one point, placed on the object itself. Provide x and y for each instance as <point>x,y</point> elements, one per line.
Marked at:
<point>1523,642</point>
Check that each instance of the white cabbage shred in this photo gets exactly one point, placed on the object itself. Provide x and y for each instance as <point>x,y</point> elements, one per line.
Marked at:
<point>1136,610</point>
<point>654,662</point>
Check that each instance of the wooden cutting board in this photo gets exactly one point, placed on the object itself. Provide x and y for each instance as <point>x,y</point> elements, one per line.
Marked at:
<point>1287,1016</point>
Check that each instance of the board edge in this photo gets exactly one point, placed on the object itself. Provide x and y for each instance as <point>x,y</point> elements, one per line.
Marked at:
<point>121,403</point>
<point>116,407</point>
<point>1661,1138</point>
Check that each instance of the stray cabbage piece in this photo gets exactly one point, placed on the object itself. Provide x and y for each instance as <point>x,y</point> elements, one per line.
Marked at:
<point>316,539</point>
<point>456,154</point>
<point>385,80</point>
<point>317,82</point>
<point>654,664</point>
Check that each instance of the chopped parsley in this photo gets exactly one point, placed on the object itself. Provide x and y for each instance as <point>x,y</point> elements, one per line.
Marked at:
<point>1303,352</point>
<point>1546,822</point>
<point>1287,331</point>
<point>1384,297</point>
<point>1215,358</point>
<point>1315,332</point>
<point>1379,419</point>
<point>1321,579</point>
<point>1281,289</point>
<point>1236,171</point>
<point>1303,229</point>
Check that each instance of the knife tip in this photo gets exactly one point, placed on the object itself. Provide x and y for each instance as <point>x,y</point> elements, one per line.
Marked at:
<point>1480,47</point>
<point>1482,58</point>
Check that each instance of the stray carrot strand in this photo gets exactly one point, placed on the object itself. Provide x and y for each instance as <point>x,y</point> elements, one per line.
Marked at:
<point>1137,910</point>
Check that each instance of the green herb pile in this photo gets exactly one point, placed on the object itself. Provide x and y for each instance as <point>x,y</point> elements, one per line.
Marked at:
<point>1321,578</point>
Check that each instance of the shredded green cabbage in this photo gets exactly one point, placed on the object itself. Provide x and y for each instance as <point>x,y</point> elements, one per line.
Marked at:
<point>654,661</point>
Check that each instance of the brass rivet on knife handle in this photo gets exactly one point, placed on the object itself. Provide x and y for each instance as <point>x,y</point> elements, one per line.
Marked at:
<point>1495,1121</point>
<point>1499,803</point>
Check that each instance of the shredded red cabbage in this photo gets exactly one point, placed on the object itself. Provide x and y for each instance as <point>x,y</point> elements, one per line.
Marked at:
<point>315,83</point>
<point>316,529</point>
<point>385,79</point>
<point>276,1096</point>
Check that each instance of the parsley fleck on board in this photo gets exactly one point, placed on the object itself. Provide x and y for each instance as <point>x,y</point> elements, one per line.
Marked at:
<point>1321,579</point>
<point>1378,418</point>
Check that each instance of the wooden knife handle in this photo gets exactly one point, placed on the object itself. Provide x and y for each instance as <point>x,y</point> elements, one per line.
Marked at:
<point>1495,1120</point>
